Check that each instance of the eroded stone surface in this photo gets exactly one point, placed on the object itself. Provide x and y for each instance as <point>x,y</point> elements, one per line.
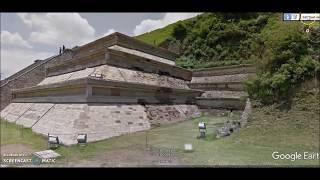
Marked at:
<point>166,114</point>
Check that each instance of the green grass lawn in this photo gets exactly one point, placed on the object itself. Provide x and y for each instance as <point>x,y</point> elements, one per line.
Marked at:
<point>253,145</point>
<point>14,134</point>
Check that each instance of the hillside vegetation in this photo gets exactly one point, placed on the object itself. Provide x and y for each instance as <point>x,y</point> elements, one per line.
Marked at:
<point>284,53</point>
<point>158,36</point>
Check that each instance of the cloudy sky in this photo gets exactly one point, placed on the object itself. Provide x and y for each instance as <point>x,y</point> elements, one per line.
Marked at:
<point>26,37</point>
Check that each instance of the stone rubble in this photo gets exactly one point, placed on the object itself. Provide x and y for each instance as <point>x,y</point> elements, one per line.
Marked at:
<point>235,125</point>
<point>46,154</point>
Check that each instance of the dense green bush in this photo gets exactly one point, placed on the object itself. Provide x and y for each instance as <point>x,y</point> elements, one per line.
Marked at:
<point>289,59</point>
<point>218,39</point>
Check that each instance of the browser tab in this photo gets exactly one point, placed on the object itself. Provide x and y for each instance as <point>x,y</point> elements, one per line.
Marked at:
<point>291,16</point>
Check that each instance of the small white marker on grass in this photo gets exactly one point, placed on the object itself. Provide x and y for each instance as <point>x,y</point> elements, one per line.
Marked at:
<point>188,148</point>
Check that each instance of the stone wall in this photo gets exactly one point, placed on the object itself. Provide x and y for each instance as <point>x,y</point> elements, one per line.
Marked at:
<point>30,76</point>
<point>225,70</point>
<point>246,113</point>
<point>120,74</point>
<point>99,121</point>
<point>221,78</point>
<point>167,114</point>
<point>223,86</point>
<point>220,103</point>
<point>124,41</point>
<point>132,61</point>
<point>224,94</point>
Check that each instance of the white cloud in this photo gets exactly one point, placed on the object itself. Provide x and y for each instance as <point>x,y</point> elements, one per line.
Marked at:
<point>69,29</point>
<point>148,25</point>
<point>13,39</point>
<point>13,60</point>
<point>110,31</point>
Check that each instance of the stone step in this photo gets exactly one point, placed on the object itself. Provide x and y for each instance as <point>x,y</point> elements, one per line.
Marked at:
<point>221,100</point>
<point>222,94</point>
<point>220,78</point>
<point>221,86</point>
<point>225,70</point>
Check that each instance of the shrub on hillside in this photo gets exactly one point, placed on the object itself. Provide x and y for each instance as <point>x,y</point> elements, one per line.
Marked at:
<point>290,62</point>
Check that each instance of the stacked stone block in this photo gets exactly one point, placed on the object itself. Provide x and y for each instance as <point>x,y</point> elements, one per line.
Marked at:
<point>223,86</point>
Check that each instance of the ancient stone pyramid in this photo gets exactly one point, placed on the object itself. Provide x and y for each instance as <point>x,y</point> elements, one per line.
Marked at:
<point>109,87</point>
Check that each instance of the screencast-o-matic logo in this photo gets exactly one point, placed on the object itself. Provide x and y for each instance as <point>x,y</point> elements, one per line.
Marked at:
<point>25,159</point>
<point>295,156</point>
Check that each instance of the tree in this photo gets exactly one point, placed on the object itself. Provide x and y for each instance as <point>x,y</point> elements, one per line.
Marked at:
<point>179,32</point>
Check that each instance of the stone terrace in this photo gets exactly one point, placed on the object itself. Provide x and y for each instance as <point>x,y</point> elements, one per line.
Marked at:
<point>223,86</point>
<point>117,85</point>
<point>109,87</point>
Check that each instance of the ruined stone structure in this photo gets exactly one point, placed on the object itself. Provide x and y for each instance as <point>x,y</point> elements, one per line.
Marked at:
<point>113,86</point>
<point>223,86</point>
<point>29,76</point>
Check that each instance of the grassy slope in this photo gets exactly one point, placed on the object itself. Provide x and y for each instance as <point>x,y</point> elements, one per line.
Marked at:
<point>14,134</point>
<point>157,36</point>
<point>276,31</point>
<point>269,130</point>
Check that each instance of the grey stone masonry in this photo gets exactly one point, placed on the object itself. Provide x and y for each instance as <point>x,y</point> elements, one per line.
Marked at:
<point>112,86</point>
<point>223,86</point>
<point>221,78</point>
<point>167,114</point>
<point>27,77</point>
<point>246,113</point>
<point>99,121</point>
<point>108,72</point>
<point>225,70</point>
